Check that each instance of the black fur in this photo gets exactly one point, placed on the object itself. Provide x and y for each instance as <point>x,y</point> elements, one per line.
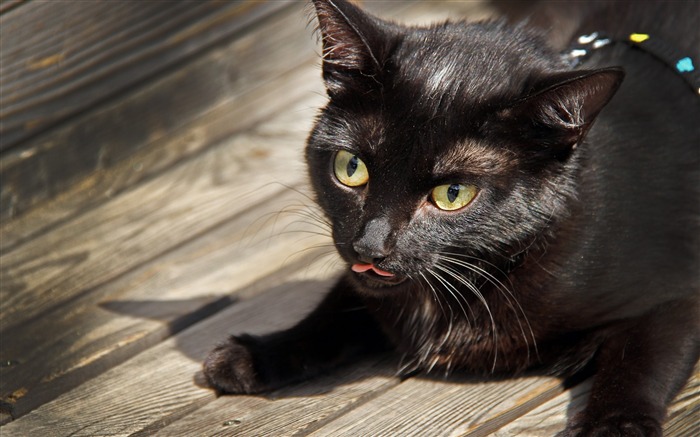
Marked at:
<point>581,249</point>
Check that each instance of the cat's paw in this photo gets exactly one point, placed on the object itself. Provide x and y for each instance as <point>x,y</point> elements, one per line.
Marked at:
<point>614,425</point>
<point>231,367</point>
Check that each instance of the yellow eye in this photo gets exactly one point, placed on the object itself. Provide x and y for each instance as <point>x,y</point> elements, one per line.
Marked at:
<point>451,197</point>
<point>350,170</point>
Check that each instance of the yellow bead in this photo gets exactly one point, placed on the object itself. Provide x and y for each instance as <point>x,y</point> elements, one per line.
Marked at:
<point>639,37</point>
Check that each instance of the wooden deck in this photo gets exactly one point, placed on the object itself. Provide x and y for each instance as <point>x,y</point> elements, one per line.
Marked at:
<point>153,201</point>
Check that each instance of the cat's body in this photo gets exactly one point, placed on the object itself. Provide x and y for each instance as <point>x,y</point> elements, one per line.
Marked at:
<point>577,244</point>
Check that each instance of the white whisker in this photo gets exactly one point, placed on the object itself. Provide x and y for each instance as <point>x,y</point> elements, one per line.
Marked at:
<point>450,324</point>
<point>482,299</point>
<point>505,291</point>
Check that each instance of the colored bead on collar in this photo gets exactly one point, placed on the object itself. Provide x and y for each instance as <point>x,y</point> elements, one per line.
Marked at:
<point>679,62</point>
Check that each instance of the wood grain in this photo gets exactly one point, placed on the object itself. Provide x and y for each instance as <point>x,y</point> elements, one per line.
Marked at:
<point>60,58</point>
<point>296,410</point>
<point>154,116</point>
<point>187,141</point>
<point>456,406</point>
<point>551,417</point>
<point>684,416</point>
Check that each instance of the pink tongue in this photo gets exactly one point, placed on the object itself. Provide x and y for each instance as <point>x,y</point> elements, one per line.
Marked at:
<point>361,268</point>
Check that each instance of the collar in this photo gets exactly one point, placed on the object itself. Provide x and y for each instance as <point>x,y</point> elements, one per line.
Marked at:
<point>680,63</point>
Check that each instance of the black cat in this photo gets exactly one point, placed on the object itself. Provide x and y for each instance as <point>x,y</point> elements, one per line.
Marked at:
<point>490,226</point>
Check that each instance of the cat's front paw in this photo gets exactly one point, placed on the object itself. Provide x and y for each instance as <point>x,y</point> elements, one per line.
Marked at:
<point>231,367</point>
<point>617,425</point>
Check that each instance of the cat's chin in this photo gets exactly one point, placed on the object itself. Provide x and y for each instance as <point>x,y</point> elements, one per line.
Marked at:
<point>370,282</point>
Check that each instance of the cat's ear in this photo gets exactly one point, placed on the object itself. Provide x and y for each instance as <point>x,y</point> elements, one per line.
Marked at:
<point>353,44</point>
<point>555,118</point>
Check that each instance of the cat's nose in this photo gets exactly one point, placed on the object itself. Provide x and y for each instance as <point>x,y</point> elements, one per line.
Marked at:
<point>369,255</point>
<point>373,244</point>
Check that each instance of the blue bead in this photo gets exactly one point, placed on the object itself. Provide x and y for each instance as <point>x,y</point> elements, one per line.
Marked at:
<point>685,65</point>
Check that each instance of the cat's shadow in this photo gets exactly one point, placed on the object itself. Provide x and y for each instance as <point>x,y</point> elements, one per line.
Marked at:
<point>196,325</point>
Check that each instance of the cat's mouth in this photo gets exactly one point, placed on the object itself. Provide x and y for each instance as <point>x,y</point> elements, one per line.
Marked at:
<point>374,277</point>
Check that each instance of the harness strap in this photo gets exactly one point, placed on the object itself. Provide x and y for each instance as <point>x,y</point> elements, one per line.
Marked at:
<point>680,63</point>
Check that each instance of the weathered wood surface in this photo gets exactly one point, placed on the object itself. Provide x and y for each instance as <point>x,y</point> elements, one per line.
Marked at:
<point>460,407</point>
<point>112,293</point>
<point>60,58</point>
<point>151,219</point>
<point>118,128</point>
<point>683,418</point>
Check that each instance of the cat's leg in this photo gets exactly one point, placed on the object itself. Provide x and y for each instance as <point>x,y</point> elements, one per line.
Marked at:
<point>639,371</point>
<point>339,329</point>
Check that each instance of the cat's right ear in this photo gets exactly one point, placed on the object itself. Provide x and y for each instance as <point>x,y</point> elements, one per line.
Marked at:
<point>353,45</point>
<point>553,120</point>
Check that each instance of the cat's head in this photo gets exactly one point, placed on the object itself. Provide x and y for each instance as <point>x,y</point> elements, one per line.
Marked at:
<point>443,143</point>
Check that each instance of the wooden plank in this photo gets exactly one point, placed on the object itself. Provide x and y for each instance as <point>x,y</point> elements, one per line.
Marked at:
<point>551,417</point>
<point>211,86</point>
<point>153,116</point>
<point>259,249</point>
<point>457,406</point>
<point>154,217</point>
<point>378,412</point>
<point>295,410</point>
<point>59,58</point>
<point>159,385</point>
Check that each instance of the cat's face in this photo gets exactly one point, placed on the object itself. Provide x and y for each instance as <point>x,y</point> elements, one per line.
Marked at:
<point>434,150</point>
<point>408,193</point>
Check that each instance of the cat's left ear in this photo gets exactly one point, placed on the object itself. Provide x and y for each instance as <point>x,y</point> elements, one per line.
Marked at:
<point>354,45</point>
<point>556,118</point>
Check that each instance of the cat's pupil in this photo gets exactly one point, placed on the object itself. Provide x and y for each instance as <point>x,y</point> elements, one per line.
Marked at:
<point>453,192</point>
<point>352,166</point>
